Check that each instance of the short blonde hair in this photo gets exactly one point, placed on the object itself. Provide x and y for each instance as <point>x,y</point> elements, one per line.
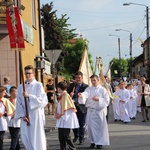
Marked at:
<point>143,78</point>
<point>6,78</point>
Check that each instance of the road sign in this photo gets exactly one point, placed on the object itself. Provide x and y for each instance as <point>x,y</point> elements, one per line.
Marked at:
<point>53,55</point>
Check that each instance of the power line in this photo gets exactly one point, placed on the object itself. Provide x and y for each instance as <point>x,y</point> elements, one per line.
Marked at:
<point>109,26</point>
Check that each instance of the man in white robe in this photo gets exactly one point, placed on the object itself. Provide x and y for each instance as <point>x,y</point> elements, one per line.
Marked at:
<point>96,99</point>
<point>32,135</point>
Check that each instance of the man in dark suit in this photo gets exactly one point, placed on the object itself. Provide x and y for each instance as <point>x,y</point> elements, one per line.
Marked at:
<point>73,90</point>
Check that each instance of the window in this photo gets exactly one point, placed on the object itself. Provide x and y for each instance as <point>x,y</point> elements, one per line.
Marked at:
<point>33,14</point>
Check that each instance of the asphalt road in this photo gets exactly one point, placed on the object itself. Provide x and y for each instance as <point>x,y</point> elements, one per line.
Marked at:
<point>132,136</point>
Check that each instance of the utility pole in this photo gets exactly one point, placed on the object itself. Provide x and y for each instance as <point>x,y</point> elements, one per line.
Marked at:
<point>147,22</point>
<point>119,50</point>
<point>147,33</point>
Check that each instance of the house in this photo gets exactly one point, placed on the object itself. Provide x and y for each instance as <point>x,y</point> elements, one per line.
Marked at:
<point>10,60</point>
<point>141,64</point>
<point>138,67</point>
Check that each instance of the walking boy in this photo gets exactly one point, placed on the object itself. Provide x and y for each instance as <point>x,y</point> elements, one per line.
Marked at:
<point>66,117</point>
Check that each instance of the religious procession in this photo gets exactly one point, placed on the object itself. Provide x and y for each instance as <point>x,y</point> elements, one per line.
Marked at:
<point>79,109</point>
<point>58,88</point>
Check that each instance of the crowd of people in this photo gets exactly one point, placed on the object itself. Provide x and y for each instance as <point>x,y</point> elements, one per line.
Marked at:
<point>80,108</point>
<point>130,97</point>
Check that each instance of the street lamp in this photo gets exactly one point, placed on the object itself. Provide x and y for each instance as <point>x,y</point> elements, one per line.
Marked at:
<point>118,44</point>
<point>147,15</point>
<point>118,49</point>
<point>130,44</point>
<point>147,23</point>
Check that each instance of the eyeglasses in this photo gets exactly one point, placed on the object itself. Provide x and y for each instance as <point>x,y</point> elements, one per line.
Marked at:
<point>28,72</point>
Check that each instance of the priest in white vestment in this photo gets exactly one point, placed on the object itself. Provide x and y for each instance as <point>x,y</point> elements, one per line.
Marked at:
<point>96,99</point>
<point>32,135</point>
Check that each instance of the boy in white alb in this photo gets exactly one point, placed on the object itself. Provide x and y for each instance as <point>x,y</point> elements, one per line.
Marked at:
<point>14,124</point>
<point>66,117</point>
<point>96,99</point>
<point>6,109</point>
<point>32,135</point>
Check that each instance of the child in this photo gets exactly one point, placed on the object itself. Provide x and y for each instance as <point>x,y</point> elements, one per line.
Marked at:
<point>132,102</point>
<point>116,108</point>
<point>14,124</point>
<point>66,117</point>
<point>7,85</point>
<point>124,97</point>
<point>6,109</point>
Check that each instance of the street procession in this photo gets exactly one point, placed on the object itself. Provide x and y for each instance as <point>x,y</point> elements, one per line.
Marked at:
<point>74,75</point>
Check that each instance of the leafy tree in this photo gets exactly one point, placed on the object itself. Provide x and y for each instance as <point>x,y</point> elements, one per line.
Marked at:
<point>53,37</point>
<point>56,31</point>
<point>74,52</point>
<point>119,68</point>
<point>57,36</point>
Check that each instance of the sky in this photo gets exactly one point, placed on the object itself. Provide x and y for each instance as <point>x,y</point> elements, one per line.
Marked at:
<point>95,20</point>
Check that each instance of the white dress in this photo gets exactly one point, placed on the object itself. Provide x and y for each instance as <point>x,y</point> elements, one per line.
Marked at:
<point>32,136</point>
<point>96,114</point>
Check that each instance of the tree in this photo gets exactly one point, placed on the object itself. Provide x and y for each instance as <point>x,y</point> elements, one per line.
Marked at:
<point>56,32</point>
<point>120,68</point>
<point>73,56</point>
<point>53,37</point>
<point>57,36</point>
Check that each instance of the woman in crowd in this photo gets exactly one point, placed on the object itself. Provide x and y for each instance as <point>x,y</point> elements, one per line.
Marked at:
<point>143,92</point>
<point>50,91</point>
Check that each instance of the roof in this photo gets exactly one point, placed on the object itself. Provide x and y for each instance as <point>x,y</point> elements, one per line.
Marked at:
<point>138,59</point>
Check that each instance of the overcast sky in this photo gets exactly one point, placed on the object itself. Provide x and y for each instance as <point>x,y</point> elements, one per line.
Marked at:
<point>96,19</point>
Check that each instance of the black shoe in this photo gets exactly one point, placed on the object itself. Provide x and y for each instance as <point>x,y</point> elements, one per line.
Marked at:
<point>115,120</point>
<point>147,117</point>
<point>92,146</point>
<point>143,120</point>
<point>133,118</point>
<point>99,146</point>
<point>75,139</point>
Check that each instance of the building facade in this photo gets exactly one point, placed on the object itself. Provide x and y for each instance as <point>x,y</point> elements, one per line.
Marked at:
<point>10,59</point>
